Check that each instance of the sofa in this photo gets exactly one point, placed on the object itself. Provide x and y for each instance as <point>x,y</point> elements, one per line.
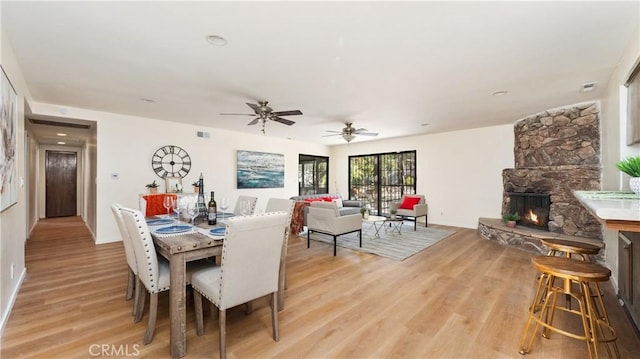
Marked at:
<point>344,206</point>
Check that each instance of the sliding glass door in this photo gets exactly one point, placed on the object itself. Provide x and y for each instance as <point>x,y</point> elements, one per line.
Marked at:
<point>379,179</point>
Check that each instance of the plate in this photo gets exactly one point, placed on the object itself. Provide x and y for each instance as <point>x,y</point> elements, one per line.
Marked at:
<point>218,231</point>
<point>173,229</point>
<point>159,222</point>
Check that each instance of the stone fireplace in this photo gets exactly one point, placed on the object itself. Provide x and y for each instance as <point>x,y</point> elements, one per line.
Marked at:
<point>556,152</point>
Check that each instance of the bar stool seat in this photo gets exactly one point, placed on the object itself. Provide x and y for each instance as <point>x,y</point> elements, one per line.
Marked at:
<point>595,322</point>
<point>570,249</point>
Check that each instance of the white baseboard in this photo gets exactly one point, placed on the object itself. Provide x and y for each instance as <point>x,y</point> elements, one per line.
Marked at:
<point>12,301</point>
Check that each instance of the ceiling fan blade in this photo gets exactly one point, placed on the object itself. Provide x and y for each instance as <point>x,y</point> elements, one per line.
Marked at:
<point>255,120</point>
<point>335,134</point>
<point>360,130</point>
<point>254,107</point>
<point>282,120</point>
<point>238,114</point>
<point>287,113</point>
<point>367,134</point>
<point>338,132</point>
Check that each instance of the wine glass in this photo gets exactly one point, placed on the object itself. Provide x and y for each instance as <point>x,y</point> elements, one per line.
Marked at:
<point>178,208</point>
<point>224,204</point>
<point>245,207</point>
<point>168,203</point>
<point>192,211</point>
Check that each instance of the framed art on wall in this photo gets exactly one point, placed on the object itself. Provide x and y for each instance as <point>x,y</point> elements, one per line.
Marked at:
<point>260,170</point>
<point>8,144</point>
<point>173,184</point>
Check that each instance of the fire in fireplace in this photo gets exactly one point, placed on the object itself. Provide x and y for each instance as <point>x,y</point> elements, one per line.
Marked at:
<point>533,208</point>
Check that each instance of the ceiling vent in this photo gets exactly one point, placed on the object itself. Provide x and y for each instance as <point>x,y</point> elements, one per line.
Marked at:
<point>59,124</point>
<point>589,86</point>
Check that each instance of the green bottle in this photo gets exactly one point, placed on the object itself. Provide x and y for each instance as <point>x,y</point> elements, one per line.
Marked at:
<point>213,210</point>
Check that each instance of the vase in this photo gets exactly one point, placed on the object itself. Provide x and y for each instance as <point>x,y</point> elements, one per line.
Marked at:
<point>634,184</point>
<point>511,224</point>
<point>153,190</point>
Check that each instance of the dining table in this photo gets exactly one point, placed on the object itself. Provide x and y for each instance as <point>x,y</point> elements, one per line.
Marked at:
<point>178,250</point>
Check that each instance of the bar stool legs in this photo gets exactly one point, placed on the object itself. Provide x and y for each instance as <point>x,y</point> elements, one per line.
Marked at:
<point>595,322</point>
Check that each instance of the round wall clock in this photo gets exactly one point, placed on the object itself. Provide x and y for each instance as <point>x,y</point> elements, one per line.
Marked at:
<point>171,161</point>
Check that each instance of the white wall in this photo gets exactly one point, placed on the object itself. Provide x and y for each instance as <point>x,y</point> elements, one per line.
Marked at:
<point>614,139</point>
<point>125,145</point>
<point>459,172</point>
<point>13,220</point>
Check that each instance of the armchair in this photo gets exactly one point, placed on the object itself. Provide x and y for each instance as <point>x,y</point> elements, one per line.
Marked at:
<point>324,217</point>
<point>412,206</point>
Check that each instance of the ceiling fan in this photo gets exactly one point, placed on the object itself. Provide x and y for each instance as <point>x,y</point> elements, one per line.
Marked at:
<point>263,113</point>
<point>349,133</point>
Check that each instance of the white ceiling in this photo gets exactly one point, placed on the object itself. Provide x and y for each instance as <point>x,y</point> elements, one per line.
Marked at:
<point>386,66</point>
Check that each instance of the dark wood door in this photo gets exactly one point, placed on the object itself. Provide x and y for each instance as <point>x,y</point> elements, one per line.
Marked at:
<point>61,183</point>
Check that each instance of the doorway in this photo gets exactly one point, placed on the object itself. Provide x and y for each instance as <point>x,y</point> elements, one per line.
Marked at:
<point>313,172</point>
<point>61,176</point>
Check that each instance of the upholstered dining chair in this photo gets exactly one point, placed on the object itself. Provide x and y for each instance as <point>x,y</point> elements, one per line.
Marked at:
<point>153,271</point>
<point>324,217</point>
<point>286,205</point>
<point>129,253</point>
<point>248,269</point>
<point>237,210</point>
<point>410,207</point>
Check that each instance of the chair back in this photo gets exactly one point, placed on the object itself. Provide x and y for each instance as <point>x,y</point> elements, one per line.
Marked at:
<point>331,206</point>
<point>251,257</point>
<point>126,239</point>
<point>281,204</point>
<point>145,252</point>
<point>237,210</point>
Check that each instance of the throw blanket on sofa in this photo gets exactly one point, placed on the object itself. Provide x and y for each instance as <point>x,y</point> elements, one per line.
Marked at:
<point>155,203</point>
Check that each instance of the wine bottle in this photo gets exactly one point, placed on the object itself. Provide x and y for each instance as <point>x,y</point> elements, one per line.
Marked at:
<point>213,210</point>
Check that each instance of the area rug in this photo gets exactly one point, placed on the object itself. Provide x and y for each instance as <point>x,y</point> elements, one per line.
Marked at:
<point>390,244</point>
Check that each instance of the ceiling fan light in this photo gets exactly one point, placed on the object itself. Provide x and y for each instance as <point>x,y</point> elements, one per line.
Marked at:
<point>348,137</point>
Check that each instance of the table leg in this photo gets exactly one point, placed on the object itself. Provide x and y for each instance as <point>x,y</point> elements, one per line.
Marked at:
<point>378,228</point>
<point>177,308</point>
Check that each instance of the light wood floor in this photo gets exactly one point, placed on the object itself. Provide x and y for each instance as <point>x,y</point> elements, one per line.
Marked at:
<point>462,298</point>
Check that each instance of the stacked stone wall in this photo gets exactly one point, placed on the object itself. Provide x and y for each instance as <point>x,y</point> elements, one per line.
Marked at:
<point>558,152</point>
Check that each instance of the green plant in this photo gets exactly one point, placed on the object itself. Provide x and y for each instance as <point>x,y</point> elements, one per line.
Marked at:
<point>630,166</point>
<point>363,210</point>
<point>393,211</point>
<point>507,217</point>
<point>196,184</point>
<point>152,185</point>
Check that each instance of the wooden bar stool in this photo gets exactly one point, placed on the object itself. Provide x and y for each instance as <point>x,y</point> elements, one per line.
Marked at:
<point>568,249</point>
<point>595,321</point>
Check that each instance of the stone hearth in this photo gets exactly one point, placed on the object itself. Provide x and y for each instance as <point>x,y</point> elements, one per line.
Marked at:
<point>528,239</point>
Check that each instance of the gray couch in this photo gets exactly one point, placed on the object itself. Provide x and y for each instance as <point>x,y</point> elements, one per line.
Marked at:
<point>344,206</point>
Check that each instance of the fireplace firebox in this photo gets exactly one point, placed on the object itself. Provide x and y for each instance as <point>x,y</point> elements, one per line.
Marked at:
<point>533,208</point>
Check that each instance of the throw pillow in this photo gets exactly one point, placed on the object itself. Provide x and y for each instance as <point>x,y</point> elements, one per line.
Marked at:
<point>338,202</point>
<point>409,202</point>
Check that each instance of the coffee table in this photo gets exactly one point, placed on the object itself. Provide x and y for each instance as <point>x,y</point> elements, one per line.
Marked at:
<point>377,222</point>
<point>395,224</point>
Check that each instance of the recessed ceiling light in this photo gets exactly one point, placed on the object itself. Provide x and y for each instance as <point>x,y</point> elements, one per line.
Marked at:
<point>147,100</point>
<point>500,93</point>
<point>61,134</point>
<point>216,40</point>
<point>62,143</point>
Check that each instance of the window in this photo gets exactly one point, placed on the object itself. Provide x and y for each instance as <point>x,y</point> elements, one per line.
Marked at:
<point>379,179</point>
<point>633,105</point>
<point>312,174</point>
